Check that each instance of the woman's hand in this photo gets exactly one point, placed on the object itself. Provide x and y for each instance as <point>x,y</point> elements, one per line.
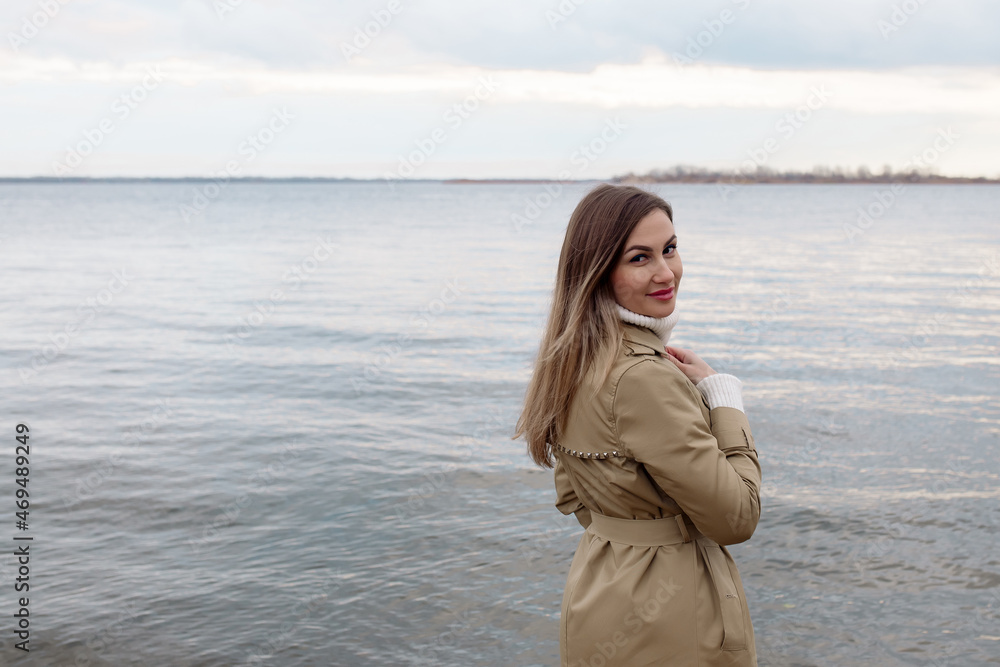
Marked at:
<point>689,363</point>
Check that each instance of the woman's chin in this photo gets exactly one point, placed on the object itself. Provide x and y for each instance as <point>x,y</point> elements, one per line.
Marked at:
<point>660,312</point>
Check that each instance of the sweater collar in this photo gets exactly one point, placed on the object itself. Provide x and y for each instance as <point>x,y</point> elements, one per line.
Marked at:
<point>661,326</point>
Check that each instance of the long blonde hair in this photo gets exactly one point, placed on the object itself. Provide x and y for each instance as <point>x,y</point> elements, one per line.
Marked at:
<point>584,329</point>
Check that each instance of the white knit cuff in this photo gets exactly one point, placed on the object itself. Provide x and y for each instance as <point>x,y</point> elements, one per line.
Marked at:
<point>722,391</point>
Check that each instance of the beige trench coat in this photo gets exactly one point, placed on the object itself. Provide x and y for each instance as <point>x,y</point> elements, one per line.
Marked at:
<point>661,483</point>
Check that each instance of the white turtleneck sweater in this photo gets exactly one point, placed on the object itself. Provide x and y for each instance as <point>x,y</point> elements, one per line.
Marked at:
<point>720,390</point>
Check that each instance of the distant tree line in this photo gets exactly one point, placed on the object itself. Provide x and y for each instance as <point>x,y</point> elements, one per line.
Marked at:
<point>820,174</point>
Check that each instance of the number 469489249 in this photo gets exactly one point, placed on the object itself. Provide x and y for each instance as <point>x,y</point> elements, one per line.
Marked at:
<point>21,476</point>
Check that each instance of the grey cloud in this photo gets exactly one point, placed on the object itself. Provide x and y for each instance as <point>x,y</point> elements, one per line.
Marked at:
<point>520,33</point>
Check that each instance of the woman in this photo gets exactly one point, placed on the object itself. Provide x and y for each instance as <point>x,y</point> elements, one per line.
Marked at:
<point>650,447</point>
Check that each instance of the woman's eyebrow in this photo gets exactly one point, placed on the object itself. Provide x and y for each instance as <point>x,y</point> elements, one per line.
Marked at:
<point>648,249</point>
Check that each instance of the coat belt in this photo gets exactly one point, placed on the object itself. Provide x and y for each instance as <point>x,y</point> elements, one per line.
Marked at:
<point>644,532</point>
<point>674,530</point>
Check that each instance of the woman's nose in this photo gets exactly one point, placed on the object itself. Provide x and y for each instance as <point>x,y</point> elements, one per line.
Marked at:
<point>663,272</point>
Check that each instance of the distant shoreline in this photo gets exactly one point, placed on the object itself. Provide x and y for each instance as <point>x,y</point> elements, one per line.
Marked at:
<point>807,179</point>
<point>731,179</point>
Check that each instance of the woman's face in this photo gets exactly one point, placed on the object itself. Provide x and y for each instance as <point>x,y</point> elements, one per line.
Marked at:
<point>648,273</point>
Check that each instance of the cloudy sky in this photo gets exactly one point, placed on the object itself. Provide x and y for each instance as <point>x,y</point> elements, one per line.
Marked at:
<point>436,89</point>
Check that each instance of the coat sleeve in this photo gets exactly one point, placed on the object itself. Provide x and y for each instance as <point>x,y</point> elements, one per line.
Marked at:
<point>710,470</point>
<point>566,499</point>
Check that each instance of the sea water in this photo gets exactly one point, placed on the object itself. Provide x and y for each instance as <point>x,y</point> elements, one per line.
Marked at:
<point>270,422</point>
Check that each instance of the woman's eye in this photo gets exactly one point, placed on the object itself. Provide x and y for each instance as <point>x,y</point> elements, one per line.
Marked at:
<point>669,250</point>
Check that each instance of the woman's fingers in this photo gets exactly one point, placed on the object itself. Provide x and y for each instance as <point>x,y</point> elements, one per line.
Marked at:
<point>689,363</point>
<point>677,352</point>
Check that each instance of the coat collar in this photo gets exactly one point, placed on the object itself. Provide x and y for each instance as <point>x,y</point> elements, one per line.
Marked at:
<point>640,340</point>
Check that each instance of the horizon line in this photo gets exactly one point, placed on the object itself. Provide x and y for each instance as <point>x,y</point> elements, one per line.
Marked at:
<point>684,177</point>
